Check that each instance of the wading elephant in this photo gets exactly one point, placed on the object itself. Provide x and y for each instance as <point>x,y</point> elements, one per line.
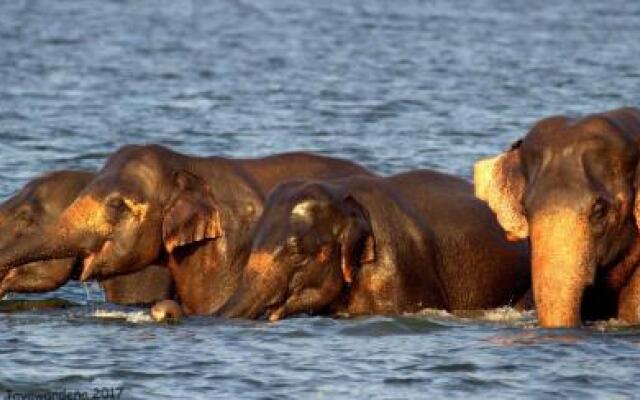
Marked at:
<point>370,245</point>
<point>195,215</point>
<point>32,212</point>
<point>571,187</point>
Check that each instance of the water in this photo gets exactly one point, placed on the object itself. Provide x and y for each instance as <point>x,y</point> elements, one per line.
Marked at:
<point>393,85</point>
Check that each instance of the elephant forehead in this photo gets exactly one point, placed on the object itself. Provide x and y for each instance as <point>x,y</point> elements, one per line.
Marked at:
<point>303,209</point>
<point>138,209</point>
<point>88,213</point>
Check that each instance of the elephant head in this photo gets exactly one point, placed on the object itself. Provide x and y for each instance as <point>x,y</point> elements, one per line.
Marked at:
<point>32,212</point>
<point>144,201</point>
<point>570,186</point>
<point>307,244</point>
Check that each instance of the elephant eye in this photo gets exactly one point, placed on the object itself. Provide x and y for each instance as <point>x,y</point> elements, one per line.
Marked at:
<point>117,206</point>
<point>599,209</point>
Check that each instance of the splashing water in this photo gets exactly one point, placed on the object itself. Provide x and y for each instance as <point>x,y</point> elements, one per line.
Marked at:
<point>507,316</point>
<point>135,317</point>
<point>94,287</point>
<point>87,292</point>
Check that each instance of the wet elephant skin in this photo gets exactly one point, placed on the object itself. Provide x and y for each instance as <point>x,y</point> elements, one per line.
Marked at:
<point>370,245</point>
<point>151,205</point>
<point>32,211</point>
<point>571,187</point>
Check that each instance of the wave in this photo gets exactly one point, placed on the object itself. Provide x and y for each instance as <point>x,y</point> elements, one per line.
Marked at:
<point>502,315</point>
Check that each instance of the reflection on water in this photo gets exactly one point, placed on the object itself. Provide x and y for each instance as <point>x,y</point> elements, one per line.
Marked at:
<point>393,85</point>
<point>527,338</point>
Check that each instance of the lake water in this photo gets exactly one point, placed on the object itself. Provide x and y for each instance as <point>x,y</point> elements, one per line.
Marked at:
<point>393,85</point>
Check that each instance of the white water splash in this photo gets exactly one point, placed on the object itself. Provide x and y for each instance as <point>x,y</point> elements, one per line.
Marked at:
<point>94,287</point>
<point>502,315</point>
<point>507,314</point>
<point>87,292</point>
<point>612,324</point>
<point>135,317</point>
<point>512,317</point>
<point>433,312</point>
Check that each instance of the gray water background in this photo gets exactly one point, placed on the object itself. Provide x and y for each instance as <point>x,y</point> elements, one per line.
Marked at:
<point>393,85</point>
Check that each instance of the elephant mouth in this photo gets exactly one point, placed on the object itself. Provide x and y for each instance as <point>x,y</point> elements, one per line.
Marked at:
<point>276,309</point>
<point>91,262</point>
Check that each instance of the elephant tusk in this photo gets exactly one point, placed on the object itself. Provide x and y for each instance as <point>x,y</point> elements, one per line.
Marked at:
<point>87,268</point>
<point>89,265</point>
<point>277,314</point>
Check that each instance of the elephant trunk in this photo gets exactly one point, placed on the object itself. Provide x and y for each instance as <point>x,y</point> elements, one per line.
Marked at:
<point>58,243</point>
<point>32,250</point>
<point>563,265</point>
<point>243,304</point>
<point>260,290</point>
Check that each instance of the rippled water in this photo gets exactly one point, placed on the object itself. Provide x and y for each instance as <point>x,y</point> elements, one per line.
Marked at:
<point>393,85</point>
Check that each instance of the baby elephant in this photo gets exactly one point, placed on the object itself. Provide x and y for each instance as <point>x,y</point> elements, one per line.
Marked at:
<point>36,207</point>
<point>371,245</point>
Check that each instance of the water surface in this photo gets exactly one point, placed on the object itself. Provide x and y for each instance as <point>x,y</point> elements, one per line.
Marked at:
<point>393,85</point>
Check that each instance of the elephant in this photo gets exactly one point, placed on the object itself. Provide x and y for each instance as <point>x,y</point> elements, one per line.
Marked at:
<point>32,211</point>
<point>194,215</point>
<point>366,245</point>
<point>571,187</point>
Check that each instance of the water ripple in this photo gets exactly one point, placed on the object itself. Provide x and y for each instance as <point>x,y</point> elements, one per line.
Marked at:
<point>393,86</point>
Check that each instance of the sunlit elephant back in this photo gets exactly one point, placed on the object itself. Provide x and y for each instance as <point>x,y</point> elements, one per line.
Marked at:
<point>371,245</point>
<point>149,204</point>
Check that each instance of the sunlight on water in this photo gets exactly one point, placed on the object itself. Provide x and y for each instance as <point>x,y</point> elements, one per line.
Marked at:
<point>529,338</point>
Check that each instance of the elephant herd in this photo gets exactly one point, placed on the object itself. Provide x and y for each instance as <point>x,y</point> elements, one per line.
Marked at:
<point>552,222</point>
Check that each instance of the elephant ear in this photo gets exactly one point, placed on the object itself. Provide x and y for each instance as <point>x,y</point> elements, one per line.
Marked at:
<point>358,244</point>
<point>627,120</point>
<point>500,182</point>
<point>636,202</point>
<point>192,215</point>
